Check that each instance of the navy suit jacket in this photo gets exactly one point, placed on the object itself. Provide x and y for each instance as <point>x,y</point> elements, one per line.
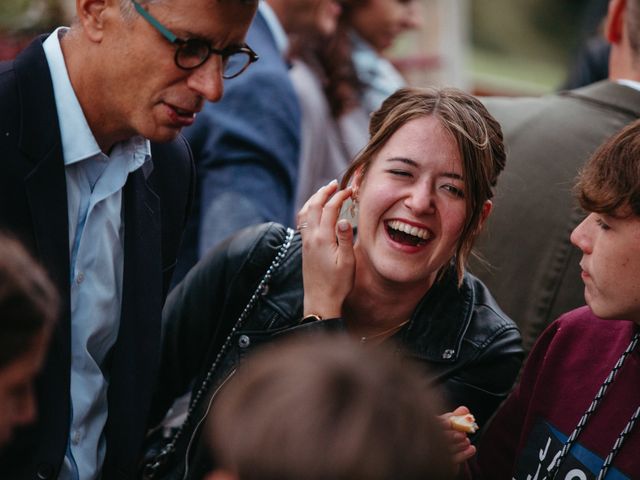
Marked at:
<point>247,149</point>
<point>33,206</point>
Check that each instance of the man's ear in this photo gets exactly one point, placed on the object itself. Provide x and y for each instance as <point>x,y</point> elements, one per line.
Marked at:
<point>614,23</point>
<point>91,15</point>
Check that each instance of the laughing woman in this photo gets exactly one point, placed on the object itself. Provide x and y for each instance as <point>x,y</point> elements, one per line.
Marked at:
<point>422,189</point>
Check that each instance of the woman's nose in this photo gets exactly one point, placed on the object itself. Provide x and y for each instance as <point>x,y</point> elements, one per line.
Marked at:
<point>421,200</point>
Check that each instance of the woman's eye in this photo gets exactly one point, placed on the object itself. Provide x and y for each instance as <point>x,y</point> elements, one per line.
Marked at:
<point>602,224</point>
<point>400,173</point>
<point>454,190</point>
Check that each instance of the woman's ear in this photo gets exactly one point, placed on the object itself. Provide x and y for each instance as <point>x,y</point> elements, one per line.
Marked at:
<point>356,182</point>
<point>486,211</point>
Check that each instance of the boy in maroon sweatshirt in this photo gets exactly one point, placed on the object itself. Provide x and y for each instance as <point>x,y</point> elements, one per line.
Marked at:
<point>574,413</point>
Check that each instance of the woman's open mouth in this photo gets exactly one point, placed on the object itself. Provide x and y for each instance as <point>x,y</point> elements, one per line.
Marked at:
<point>406,234</point>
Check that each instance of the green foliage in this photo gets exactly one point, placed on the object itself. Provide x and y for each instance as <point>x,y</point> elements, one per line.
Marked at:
<point>544,30</point>
<point>29,15</point>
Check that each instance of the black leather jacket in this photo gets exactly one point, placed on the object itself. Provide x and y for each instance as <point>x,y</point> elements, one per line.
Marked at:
<point>468,345</point>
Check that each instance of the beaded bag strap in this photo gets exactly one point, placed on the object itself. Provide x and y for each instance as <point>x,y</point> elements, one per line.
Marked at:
<point>169,449</point>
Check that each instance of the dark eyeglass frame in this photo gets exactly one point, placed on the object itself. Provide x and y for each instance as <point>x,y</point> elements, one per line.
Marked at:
<point>181,44</point>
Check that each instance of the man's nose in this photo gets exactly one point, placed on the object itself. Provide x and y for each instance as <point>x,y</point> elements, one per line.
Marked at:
<point>207,79</point>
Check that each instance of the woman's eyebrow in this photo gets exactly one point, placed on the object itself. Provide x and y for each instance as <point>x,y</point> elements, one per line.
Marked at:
<point>404,160</point>
<point>455,176</point>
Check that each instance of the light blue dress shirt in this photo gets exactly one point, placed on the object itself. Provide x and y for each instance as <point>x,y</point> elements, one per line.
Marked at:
<point>96,247</point>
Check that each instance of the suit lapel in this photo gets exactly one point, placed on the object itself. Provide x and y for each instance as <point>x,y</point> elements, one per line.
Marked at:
<point>137,347</point>
<point>45,184</point>
<point>46,195</point>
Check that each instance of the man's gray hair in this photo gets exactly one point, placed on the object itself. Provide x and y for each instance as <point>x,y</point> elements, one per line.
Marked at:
<point>128,12</point>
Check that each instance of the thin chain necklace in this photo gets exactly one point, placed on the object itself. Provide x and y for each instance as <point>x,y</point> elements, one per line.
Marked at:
<point>585,416</point>
<point>392,330</point>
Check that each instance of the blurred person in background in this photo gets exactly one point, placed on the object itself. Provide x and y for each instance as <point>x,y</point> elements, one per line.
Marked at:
<point>591,61</point>
<point>28,309</point>
<point>533,269</point>
<point>372,27</point>
<point>327,408</point>
<point>334,124</point>
<point>247,146</point>
<point>340,80</point>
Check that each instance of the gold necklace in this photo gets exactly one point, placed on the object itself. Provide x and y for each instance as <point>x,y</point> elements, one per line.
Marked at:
<point>392,330</point>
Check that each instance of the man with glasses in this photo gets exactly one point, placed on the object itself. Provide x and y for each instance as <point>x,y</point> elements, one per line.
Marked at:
<point>88,185</point>
<point>247,146</point>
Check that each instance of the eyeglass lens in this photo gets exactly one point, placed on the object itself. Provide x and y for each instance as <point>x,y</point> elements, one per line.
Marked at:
<point>194,53</point>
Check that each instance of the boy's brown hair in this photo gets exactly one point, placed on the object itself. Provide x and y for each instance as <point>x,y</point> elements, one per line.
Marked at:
<point>609,183</point>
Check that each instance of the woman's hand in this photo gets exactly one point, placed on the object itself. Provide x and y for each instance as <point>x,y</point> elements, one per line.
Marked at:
<point>459,444</point>
<point>328,266</point>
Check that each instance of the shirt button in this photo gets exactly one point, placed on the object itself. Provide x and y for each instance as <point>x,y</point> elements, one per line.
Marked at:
<point>80,278</point>
<point>75,438</point>
<point>244,341</point>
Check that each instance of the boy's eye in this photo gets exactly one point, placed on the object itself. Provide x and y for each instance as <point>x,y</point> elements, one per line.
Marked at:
<point>602,224</point>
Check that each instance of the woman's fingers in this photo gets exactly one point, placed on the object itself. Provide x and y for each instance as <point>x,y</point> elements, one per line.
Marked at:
<point>310,214</point>
<point>332,208</point>
<point>327,266</point>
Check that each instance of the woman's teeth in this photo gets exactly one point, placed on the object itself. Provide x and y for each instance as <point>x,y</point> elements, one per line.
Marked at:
<point>421,233</point>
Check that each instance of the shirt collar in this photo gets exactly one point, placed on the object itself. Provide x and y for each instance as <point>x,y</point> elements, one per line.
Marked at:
<point>629,83</point>
<point>275,27</point>
<point>78,142</point>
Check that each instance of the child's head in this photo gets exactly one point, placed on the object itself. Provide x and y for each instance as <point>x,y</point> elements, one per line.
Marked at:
<point>609,190</point>
<point>326,408</point>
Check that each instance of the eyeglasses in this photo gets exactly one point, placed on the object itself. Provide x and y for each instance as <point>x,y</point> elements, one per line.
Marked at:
<point>193,52</point>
